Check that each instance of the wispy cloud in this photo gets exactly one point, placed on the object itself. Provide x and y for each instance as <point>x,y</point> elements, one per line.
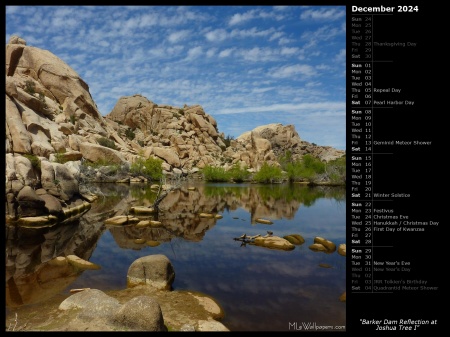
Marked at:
<point>293,70</point>
<point>324,13</point>
<point>318,109</point>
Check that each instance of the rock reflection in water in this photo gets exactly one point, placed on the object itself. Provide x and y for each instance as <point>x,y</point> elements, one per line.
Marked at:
<point>32,278</point>
<point>33,273</point>
<point>180,209</point>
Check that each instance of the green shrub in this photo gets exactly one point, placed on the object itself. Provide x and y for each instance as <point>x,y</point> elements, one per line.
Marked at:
<point>30,87</point>
<point>227,140</point>
<point>268,174</point>
<point>216,174</point>
<point>306,169</point>
<point>60,158</point>
<point>35,161</point>
<point>130,134</point>
<point>313,163</point>
<point>239,174</point>
<point>97,164</point>
<point>106,142</point>
<point>336,170</point>
<point>72,119</point>
<point>285,159</point>
<point>151,167</point>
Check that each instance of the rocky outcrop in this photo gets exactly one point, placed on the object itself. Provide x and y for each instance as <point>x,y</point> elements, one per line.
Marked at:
<point>267,143</point>
<point>183,137</point>
<point>53,124</point>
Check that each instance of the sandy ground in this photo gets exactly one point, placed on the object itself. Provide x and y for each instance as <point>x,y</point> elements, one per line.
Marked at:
<point>179,308</point>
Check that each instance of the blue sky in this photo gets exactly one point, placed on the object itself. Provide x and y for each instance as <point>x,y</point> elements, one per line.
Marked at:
<point>245,65</point>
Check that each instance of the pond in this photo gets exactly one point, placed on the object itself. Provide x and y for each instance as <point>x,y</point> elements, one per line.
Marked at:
<point>259,289</point>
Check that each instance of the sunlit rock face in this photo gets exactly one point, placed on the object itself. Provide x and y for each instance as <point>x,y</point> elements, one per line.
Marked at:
<point>46,101</point>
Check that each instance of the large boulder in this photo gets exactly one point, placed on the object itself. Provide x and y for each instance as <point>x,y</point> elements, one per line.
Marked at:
<point>95,152</point>
<point>140,313</point>
<point>154,270</point>
<point>66,180</point>
<point>168,155</point>
<point>30,204</point>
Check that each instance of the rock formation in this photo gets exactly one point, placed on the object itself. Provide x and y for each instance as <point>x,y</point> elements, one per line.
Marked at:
<point>53,125</point>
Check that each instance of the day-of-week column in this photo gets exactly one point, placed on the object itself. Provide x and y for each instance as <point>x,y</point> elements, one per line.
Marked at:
<point>360,121</point>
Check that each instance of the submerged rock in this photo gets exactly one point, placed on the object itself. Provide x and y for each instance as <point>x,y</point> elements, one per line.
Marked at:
<point>274,242</point>
<point>264,221</point>
<point>80,263</point>
<point>295,239</point>
<point>342,249</point>
<point>329,246</point>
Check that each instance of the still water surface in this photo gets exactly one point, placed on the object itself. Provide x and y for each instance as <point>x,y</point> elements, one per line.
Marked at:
<point>259,289</point>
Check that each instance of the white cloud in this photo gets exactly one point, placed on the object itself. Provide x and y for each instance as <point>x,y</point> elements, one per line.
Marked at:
<point>258,54</point>
<point>320,109</point>
<point>193,53</point>
<point>253,32</point>
<point>292,70</point>
<point>211,52</point>
<point>178,36</point>
<point>239,18</point>
<point>341,56</point>
<point>289,51</point>
<point>329,14</point>
<point>216,35</point>
<point>226,52</point>
<point>254,14</point>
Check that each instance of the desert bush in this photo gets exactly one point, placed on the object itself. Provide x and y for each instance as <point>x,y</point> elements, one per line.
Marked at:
<point>151,167</point>
<point>227,140</point>
<point>306,169</point>
<point>268,174</point>
<point>215,174</point>
<point>337,170</point>
<point>238,173</point>
<point>60,158</point>
<point>30,87</point>
<point>106,142</point>
<point>130,134</point>
<point>35,161</point>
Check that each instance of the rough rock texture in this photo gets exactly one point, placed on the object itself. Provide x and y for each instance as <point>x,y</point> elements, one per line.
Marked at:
<point>155,270</point>
<point>140,313</point>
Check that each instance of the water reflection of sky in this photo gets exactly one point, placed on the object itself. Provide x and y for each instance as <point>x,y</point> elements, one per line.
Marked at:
<point>259,288</point>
